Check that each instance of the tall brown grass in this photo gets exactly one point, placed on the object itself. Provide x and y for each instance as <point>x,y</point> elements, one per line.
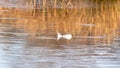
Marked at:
<point>104,14</point>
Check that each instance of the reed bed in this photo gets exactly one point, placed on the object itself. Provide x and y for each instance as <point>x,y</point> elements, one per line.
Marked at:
<point>66,16</point>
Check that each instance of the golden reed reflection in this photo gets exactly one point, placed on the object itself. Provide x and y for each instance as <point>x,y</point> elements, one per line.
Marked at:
<point>96,20</point>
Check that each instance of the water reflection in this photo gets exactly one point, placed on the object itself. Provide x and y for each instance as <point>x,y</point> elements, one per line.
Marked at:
<point>21,51</point>
<point>28,40</point>
<point>22,56</point>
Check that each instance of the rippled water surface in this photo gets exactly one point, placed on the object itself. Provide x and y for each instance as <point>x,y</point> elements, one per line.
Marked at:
<point>18,50</point>
<point>27,44</point>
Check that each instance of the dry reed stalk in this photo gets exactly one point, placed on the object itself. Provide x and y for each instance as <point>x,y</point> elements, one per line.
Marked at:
<point>55,7</point>
<point>44,10</point>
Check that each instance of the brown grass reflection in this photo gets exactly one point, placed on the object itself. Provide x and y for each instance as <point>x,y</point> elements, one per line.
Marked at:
<point>38,22</point>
